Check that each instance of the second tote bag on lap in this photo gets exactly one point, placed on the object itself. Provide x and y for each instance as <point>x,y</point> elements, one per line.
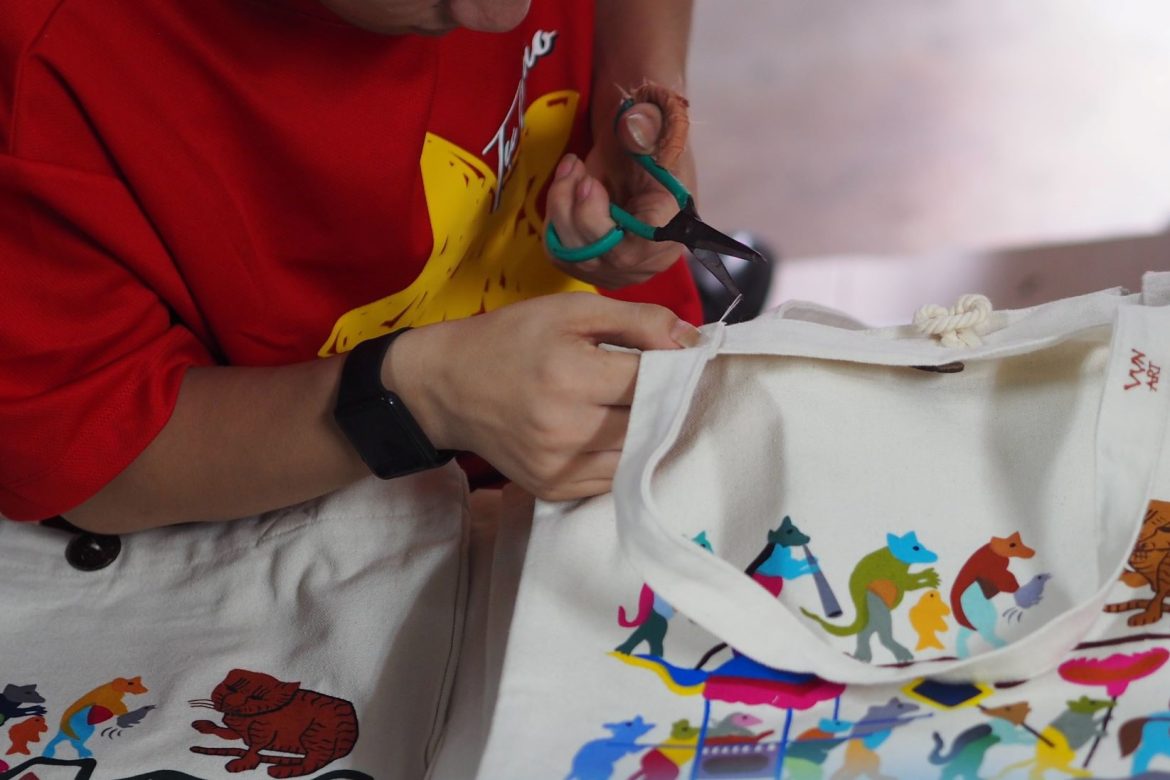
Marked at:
<point>822,561</point>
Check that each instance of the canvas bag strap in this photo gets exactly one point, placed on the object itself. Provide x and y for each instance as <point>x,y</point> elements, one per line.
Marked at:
<point>718,596</point>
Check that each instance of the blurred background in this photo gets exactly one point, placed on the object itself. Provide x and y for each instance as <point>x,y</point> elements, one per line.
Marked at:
<point>906,151</point>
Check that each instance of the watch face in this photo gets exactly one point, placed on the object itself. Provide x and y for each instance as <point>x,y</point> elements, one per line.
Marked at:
<point>386,436</point>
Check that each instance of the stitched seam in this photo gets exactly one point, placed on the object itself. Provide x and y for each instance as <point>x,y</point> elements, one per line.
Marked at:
<point>18,81</point>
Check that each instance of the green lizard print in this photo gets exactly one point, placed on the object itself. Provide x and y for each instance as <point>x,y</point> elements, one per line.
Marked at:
<point>878,583</point>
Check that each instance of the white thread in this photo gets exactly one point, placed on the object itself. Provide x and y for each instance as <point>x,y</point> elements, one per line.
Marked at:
<point>959,326</point>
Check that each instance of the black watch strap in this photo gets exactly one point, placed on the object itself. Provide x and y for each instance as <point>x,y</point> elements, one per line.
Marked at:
<point>376,421</point>
<point>361,376</point>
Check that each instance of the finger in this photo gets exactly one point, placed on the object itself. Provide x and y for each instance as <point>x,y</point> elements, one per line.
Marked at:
<point>559,206</point>
<point>577,490</point>
<point>610,433</point>
<point>672,138</point>
<point>634,325</point>
<point>584,474</point>
<point>640,127</point>
<point>597,487</point>
<point>614,376</point>
<point>578,204</point>
<point>590,211</point>
<point>593,467</point>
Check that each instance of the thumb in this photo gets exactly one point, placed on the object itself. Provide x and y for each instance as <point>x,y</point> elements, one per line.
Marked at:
<point>640,127</point>
<point>635,325</point>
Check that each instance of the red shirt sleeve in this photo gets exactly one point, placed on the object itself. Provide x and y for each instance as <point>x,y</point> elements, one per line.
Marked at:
<point>90,360</point>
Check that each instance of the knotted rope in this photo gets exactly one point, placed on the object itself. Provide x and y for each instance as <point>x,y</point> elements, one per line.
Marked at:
<point>959,326</point>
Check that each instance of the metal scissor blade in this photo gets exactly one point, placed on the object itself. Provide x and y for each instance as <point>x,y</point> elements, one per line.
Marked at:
<point>714,263</point>
<point>700,235</point>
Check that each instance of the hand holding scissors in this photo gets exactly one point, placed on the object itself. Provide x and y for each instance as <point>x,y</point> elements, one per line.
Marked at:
<point>592,227</point>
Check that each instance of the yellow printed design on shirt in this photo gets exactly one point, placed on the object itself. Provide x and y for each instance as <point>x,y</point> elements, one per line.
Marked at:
<point>481,259</point>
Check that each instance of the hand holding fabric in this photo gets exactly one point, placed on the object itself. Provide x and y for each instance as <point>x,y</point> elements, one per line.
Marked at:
<point>530,389</point>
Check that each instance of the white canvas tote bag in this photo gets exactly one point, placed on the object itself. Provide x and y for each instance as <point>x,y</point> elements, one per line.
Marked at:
<point>316,641</point>
<point>819,560</point>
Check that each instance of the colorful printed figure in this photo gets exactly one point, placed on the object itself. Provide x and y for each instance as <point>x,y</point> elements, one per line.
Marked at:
<point>1062,738</point>
<point>776,564</point>
<point>878,583</point>
<point>928,617</point>
<point>736,727</point>
<point>1145,739</point>
<point>98,706</point>
<point>810,750</point>
<point>1149,565</point>
<point>965,757</point>
<point>269,714</point>
<point>13,699</point>
<point>983,577</point>
<point>595,760</point>
<point>21,734</point>
<point>1029,595</point>
<point>665,761</point>
<point>869,733</point>
<point>653,618</point>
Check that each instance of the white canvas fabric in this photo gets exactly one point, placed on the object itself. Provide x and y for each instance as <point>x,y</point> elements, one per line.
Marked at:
<point>973,527</point>
<point>330,629</point>
<point>500,522</point>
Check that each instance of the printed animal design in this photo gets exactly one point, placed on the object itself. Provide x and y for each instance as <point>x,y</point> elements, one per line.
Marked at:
<point>653,618</point>
<point>983,577</point>
<point>928,617</point>
<point>776,564</point>
<point>12,699</point>
<point>868,734</point>
<point>268,714</point>
<point>1065,736</point>
<point>595,760</point>
<point>965,757</point>
<point>810,750</point>
<point>877,586</point>
<point>1145,739</point>
<point>665,761</point>
<point>807,754</point>
<point>1149,565</point>
<point>127,721</point>
<point>1028,596</point>
<point>25,732</point>
<point>735,728</point>
<point>98,706</point>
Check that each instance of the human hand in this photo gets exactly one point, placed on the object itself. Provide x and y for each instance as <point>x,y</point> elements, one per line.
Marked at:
<point>579,197</point>
<point>530,390</point>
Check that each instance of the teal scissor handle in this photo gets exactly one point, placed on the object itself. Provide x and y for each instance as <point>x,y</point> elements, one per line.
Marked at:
<point>626,222</point>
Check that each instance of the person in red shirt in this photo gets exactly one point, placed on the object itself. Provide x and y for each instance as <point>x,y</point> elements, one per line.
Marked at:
<point>205,206</point>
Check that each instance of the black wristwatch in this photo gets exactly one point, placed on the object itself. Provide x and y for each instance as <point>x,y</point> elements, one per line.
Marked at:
<point>376,421</point>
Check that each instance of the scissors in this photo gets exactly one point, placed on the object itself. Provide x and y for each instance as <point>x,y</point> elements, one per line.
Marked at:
<point>704,241</point>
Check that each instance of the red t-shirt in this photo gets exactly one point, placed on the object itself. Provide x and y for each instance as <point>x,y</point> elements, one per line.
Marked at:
<point>254,182</point>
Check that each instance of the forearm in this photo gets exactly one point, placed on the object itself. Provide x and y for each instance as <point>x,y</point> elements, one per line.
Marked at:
<point>239,441</point>
<point>635,41</point>
<point>527,387</point>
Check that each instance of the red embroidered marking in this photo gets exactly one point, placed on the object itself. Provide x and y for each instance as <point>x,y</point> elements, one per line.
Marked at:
<point>1141,367</point>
